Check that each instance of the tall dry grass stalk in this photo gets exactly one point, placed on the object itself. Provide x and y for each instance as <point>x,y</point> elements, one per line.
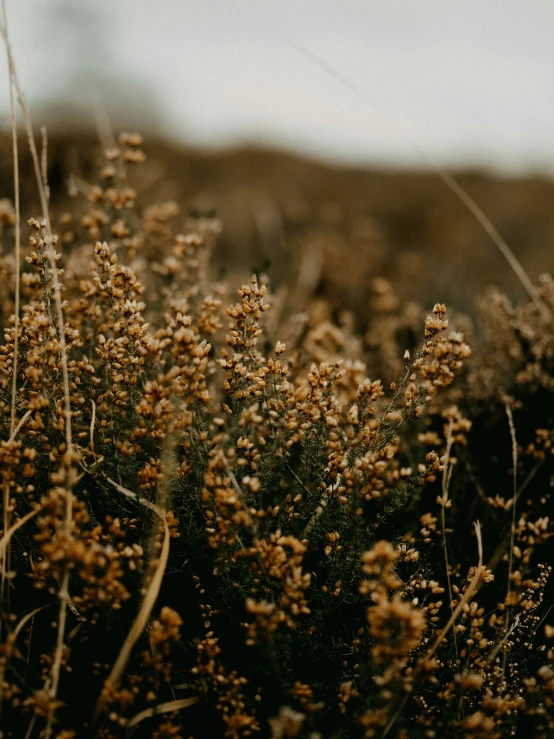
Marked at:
<point>43,191</point>
<point>463,196</point>
<point>150,596</point>
<point>6,561</point>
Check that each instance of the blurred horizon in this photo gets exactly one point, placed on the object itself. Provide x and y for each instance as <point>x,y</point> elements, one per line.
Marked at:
<point>471,84</point>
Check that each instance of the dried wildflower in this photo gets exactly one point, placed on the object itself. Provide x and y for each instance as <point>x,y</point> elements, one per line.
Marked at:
<point>279,491</point>
<point>287,723</point>
<point>397,627</point>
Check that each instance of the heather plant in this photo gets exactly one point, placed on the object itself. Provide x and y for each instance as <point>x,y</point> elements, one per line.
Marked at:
<point>248,535</point>
<point>240,516</point>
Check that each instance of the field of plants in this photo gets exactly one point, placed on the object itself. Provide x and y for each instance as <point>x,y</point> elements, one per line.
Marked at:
<point>257,478</point>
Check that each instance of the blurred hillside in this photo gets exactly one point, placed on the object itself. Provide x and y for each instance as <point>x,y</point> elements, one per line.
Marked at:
<point>328,229</point>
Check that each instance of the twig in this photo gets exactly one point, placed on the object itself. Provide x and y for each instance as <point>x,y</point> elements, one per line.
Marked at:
<point>44,163</point>
<point>20,425</point>
<point>467,595</point>
<point>43,194</point>
<point>12,638</point>
<point>503,641</point>
<point>92,425</point>
<point>15,154</point>
<point>444,499</point>
<point>150,596</point>
<point>513,527</point>
<point>168,707</point>
<point>321,507</point>
<point>5,540</point>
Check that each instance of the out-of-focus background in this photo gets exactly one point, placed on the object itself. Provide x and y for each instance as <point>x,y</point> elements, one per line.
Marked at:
<point>220,88</point>
<point>472,82</point>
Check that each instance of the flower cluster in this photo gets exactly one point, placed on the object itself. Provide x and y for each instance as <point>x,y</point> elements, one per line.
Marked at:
<point>265,530</point>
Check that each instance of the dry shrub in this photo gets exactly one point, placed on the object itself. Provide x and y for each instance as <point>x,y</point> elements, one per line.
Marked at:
<point>262,540</point>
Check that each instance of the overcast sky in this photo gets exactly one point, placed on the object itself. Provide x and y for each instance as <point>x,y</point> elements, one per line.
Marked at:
<point>469,81</point>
